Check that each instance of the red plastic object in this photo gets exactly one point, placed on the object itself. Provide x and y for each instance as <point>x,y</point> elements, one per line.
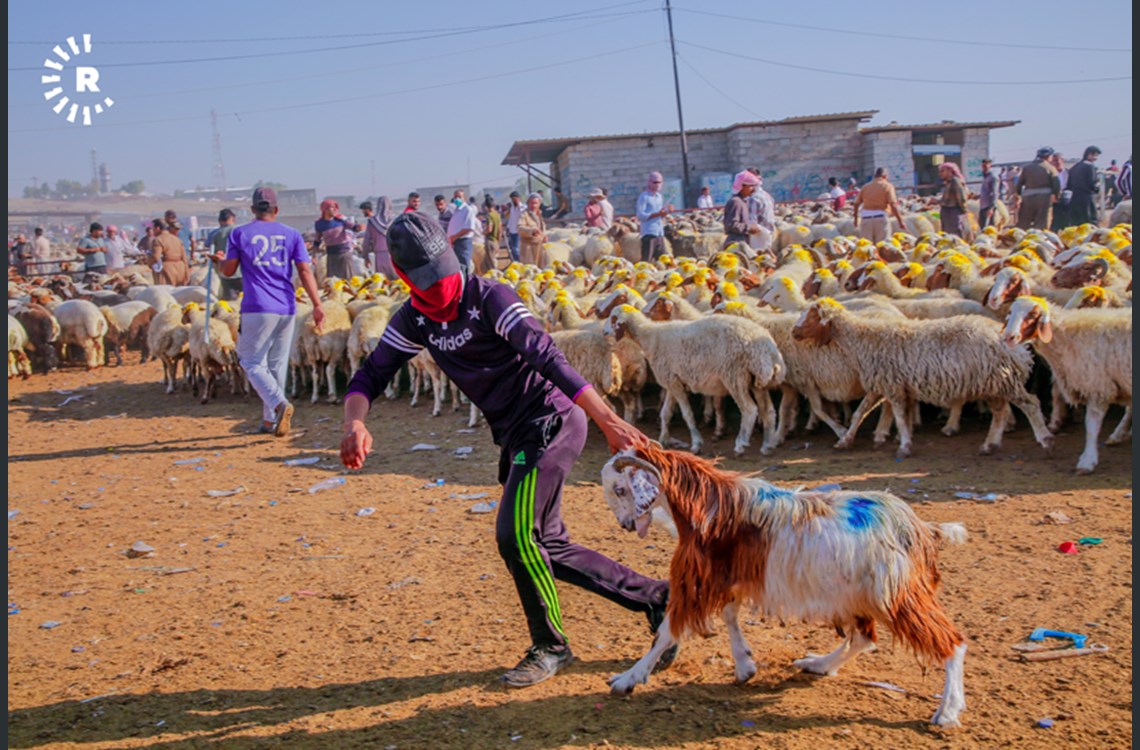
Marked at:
<point>1069,548</point>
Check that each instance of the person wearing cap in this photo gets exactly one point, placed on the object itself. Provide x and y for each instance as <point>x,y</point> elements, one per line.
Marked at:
<point>266,251</point>
<point>463,227</point>
<point>490,346</point>
<point>651,212</point>
<point>217,242</point>
<point>875,199</point>
<point>338,236</point>
<point>593,210</point>
<point>515,211</point>
<point>93,248</point>
<point>174,226</point>
<point>1038,188</point>
<point>1084,182</point>
<point>376,234</point>
<point>705,199</point>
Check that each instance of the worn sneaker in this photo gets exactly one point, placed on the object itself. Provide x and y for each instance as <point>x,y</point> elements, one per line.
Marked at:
<point>540,663</point>
<point>284,413</point>
<point>656,616</point>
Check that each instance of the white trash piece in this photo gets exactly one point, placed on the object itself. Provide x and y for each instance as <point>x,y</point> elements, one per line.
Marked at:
<point>326,484</point>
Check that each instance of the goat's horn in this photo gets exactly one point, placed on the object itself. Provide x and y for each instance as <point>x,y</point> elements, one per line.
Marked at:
<point>622,462</point>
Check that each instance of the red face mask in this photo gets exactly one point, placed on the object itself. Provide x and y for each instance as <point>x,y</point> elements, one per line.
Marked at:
<point>440,301</point>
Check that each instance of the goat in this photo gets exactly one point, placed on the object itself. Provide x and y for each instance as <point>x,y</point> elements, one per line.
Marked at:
<point>851,559</point>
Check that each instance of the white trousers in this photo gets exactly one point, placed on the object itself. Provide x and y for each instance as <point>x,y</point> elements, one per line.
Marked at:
<point>263,350</point>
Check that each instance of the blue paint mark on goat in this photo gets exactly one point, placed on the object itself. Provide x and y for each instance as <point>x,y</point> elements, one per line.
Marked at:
<point>861,512</point>
<point>766,492</point>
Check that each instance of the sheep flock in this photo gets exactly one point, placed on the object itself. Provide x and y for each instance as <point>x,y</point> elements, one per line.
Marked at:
<point>828,327</point>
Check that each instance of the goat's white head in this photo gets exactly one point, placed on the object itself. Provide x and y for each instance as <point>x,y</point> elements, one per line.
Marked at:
<point>632,487</point>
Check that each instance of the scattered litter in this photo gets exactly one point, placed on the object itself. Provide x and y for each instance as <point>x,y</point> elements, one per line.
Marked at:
<point>516,737</point>
<point>306,461</point>
<point>886,686</point>
<point>326,484</point>
<point>827,488</point>
<point>365,512</point>
<point>100,697</point>
<point>1040,634</point>
<point>140,549</point>
<point>466,431</point>
<point>1064,653</point>
<point>77,649</point>
<point>483,507</point>
<point>989,497</point>
<point>1045,723</point>
<point>188,461</point>
<point>463,450</point>
<point>220,544</point>
<point>13,609</point>
<point>486,576</point>
<point>473,496</point>
<point>1057,517</point>
<point>13,513</point>
<point>421,638</point>
<point>747,723</point>
<point>226,493</point>
<point>69,399</point>
<point>803,447</point>
<point>176,571</point>
<point>1069,548</point>
<point>272,502</point>
<point>1091,540</point>
<point>437,483</point>
<point>49,625</point>
<point>409,581</point>
<point>423,447</point>
<point>283,599</point>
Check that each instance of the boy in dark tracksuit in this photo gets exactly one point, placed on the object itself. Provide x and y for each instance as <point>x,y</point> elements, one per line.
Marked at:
<point>493,349</point>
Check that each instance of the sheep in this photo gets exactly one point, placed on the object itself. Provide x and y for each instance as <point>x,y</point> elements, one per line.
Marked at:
<point>18,362</point>
<point>159,297</point>
<point>1090,354</point>
<point>213,352</point>
<point>328,347</point>
<point>127,326</point>
<point>588,351</point>
<point>43,334</point>
<point>787,297</point>
<point>365,334</point>
<point>168,339</point>
<point>944,362</point>
<point>711,356</point>
<point>81,324</point>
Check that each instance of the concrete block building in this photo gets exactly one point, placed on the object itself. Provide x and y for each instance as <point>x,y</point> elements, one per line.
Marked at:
<point>795,155</point>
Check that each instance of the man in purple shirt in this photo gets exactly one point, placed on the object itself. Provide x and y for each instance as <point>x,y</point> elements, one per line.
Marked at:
<point>490,346</point>
<point>266,251</point>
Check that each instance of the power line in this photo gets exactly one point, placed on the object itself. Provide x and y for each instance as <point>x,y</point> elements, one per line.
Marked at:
<point>906,37</point>
<point>975,82</point>
<point>311,37</point>
<point>346,47</point>
<point>714,87</point>
<point>327,73</point>
<point>357,98</point>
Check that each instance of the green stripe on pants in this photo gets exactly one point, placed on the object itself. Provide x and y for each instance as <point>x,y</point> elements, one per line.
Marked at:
<point>528,549</point>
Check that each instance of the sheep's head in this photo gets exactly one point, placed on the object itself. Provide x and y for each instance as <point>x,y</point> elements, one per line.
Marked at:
<point>618,321</point>
<point>1088,296</point>
<point>1029,319</point>
<point>1009,284</point>
<point>725,290</point>
<point>733,307</point>
<point>661,308</point>
<point>815,282</point>
<point>889,252</point>
<point>873,275</point>
<point>815,323</point>
<point>1083,271</point>
<point>632,487</point>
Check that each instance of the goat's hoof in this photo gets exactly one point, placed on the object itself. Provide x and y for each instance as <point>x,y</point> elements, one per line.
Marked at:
<point>945,719</point>
<point>1047,446</point>
<point>987,450</point>
<point>903,452</point>
<point>745,674</point>
<point>622,684</point>
<point>949,431</point>
<point>1085,469</point>
<point>1055,427</point>
<point>813,664</point>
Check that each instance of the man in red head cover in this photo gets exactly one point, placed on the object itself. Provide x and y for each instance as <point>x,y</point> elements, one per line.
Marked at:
<point>488,343</point>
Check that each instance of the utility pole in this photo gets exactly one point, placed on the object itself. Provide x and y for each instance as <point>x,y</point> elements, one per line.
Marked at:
<point>219,171</point>
<point>680,114</point>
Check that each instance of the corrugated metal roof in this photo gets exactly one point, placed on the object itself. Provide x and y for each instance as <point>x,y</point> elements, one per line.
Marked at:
<point>939,126</point>
<point>543,150</point>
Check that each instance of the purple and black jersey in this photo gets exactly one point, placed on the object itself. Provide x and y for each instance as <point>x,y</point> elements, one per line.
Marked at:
<point>494,351</point>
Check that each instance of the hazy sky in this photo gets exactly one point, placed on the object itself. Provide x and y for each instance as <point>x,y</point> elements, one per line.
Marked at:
<point>367,98</point>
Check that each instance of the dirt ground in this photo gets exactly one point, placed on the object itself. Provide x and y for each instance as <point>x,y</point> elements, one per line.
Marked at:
<point>279,618</point>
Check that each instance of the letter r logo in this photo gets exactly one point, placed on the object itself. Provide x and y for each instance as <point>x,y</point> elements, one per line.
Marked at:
<point>86,79</point>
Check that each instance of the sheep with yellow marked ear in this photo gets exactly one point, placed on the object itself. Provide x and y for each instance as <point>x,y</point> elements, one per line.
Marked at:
<point>945,362</point>
<point>712,356</point>
<point>212,354</point>
<point>1090,355</point>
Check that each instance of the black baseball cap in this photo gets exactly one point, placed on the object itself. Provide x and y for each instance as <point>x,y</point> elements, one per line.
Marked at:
<point>366,205</point>
<point>265,195</point>
<point>419,248</point>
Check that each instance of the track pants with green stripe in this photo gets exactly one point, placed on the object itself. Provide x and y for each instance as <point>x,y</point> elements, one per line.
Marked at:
<point>533,540</point>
